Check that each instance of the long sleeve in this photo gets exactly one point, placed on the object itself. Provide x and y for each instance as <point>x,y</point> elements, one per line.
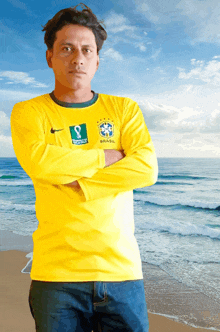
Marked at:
<point>72,224</point>
<point>48,162</point>
<point>138,169</point>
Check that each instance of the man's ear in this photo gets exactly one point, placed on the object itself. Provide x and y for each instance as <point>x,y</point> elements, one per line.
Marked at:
<point>97,66</point>
<point>49,54</point>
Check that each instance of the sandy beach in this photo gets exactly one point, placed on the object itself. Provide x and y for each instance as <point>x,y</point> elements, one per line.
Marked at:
<point>15,312</point>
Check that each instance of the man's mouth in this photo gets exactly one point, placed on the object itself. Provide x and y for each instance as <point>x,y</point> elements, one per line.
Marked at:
<point>77,72</point>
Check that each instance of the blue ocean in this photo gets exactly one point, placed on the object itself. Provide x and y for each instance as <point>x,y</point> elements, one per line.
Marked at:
<point>177,220</point>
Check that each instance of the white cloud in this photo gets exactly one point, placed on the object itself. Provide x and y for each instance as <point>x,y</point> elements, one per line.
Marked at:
<point>212,122</point>
<point>165,118</point>
<point>121,31</point>
<point>182,132</point>
<point>188,109</point>
<point>203,144</point>
<point>6,147</point>
<point>6,139</point>
<point>200,97</point>
<point>21,5</point>
<point>205,18</point>
<point>141,46</point>
<point>115,40</point>
<point>121,28</point>
<point>117,23</point>
<point>11,95</point>
<point>206,72</point>
<point>21,78</point>
<point>4,122</point>
<point>200,18</point>
<point>156,53</point>
<point>150,11</point>
<point>113,54</point>
<point>18,4</point>
<point>186,145</point>
<point>158,12</point>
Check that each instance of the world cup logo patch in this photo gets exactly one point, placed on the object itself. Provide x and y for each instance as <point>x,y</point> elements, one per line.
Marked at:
<point>106,128</point>
<point>79,134</point>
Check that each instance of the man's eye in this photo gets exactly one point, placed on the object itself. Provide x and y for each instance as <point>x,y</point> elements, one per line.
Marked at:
<point>88,50</point>
<point>66,48</point>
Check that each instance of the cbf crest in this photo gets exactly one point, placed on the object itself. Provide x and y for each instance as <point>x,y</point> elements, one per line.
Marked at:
<point>106,128</point>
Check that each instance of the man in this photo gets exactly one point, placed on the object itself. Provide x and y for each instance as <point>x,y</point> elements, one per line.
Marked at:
<point>85,153</point>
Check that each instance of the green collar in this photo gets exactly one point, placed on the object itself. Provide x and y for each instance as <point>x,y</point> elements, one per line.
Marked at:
<point>75,105</point>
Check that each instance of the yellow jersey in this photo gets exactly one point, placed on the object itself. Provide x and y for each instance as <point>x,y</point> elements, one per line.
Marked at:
<point>87,234</point>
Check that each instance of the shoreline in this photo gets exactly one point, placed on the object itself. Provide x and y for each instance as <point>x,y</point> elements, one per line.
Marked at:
<point>172,306</point>
<point>168,297</point>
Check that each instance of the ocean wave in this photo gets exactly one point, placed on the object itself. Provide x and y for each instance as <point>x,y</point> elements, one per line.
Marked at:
<point>173,183</point>
<point>182,320</point>
<point>213,226</point>
<point>16,183</point>
<point>187,204</point>
<point>184,229</point>
<point>184,177</point>
<point>9,177</point>
<point>7,205</point>
<point>202,262</point>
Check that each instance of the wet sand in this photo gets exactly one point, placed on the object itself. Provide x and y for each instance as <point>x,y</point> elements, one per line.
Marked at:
<point>174,299</point>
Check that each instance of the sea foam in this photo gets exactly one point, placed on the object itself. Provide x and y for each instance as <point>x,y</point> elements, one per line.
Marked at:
<point>8,205</point>
<point>171,202</point>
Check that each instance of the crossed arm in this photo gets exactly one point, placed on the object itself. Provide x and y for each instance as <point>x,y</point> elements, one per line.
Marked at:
<point>98,173</point>
<point>111,157</point>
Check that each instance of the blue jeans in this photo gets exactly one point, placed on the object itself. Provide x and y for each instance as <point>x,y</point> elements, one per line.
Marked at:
<point>89,306</point>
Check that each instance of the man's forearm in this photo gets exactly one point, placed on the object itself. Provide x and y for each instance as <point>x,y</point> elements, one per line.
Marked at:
<point>111,157</point>
<point>135,171</point>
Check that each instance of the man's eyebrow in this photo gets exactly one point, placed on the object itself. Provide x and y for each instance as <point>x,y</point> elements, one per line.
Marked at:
<point>87,45</point>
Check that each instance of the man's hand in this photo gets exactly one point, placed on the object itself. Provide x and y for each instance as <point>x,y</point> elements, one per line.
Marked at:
<point>112,156</point>
<point>75,185</point>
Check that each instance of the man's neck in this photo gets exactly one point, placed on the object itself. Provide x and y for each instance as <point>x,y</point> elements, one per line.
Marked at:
<point>72,96</point>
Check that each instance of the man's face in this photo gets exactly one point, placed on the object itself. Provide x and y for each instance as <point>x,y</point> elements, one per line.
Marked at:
<point>74,57</point>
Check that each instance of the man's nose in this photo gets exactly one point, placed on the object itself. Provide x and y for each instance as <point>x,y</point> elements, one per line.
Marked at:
<point>77,57</point>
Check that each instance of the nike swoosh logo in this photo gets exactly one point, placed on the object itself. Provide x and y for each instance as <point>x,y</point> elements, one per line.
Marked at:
<point>54,130</point>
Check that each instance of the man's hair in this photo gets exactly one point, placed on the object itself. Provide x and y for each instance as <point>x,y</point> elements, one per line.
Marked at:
<point>71,15</point>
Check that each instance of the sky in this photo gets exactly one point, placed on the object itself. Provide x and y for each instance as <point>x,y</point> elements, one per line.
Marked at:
<point>164,54</point>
